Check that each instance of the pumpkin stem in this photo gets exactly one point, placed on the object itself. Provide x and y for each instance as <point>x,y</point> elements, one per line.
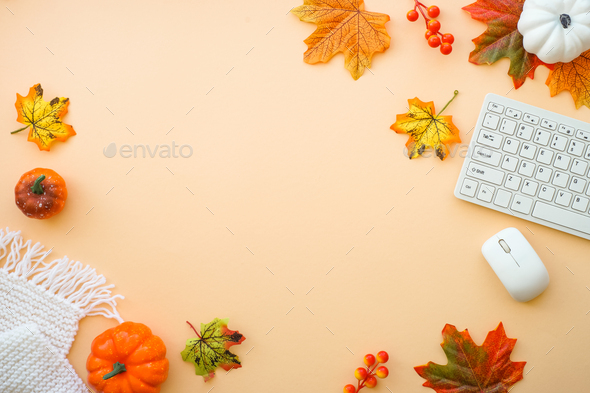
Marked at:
<point>443,109</point>
<point>37,189</point>
<point>565,20</point>
<point>194,330</point>
<point>118,368</point>
<point>19,130</point>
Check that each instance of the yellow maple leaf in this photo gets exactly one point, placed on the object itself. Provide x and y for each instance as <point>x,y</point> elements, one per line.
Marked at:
<point>426,129</point>
<point>44,118</point>
<point>574,77</point>
<point>343,26</point>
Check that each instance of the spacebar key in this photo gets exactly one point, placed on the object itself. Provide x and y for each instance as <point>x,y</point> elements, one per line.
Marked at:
<point>562,217</point>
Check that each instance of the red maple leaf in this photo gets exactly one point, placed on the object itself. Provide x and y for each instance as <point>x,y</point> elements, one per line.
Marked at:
<point>473,368</point>
<point>502,39</point>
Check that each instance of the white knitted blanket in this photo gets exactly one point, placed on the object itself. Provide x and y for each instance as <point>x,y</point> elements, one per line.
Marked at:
<point>27,364</point>
<point>53,296</point>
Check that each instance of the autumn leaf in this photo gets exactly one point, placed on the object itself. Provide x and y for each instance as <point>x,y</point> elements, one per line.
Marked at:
<point>44,118</point>
<point>574,77</point>
<point>426,129</point>
<point>473,368</point>
<point>502,39</point>
<point>343,26</point>
<point>211,349</point>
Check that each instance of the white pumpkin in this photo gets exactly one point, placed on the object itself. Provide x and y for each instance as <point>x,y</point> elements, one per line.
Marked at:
<point>555,30</point>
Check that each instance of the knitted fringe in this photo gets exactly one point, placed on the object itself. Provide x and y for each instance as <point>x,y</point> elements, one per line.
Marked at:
<point>79,285</point>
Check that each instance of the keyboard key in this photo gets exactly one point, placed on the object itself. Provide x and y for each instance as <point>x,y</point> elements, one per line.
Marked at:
<point>522,204</point>
<point>580,203</point>
<point>528,151</point>
<point>567,130</point>
<point>560,179</point>
<point>491,121</point>
<point>485,173</point>
<point>576,148</point>
<point>547,193</point>
<point>508,126</point>
<point>532,119</point>
<point>563,198</point>
<point>492,106</point>
<point>486,155</point>
<point>511,146</point>
<point>486,193</point>
<point>543,174</point>
<point>558,142</point>
<point>562,161</point>
<point>525,132</point>
<point>513,113</point>
<point>587,155</point>
<point>549,124</point>
<point>530,187</point>
<point>509,163</point>
<point>490,139</point>
<point>578,185</point>
<point>513,182</point>
<point>579,167</point>
<point>468,188</point>
<point>545,156</point>
<point>542,137</point>
<point>502,198</point>
<point>584,135</point>
<point>526,169</point>
<point>563,217</point>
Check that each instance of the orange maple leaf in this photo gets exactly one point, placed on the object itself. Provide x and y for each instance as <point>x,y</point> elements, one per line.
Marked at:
<point>502,38</point>
<point>343,26</point>
<point>472,367</point>
<point>426,129</point>
<point>44,118</point>
<point>574,77</point>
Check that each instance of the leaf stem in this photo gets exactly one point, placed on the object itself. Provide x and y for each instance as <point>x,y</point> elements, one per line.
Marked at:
<point>195,330</point>
<point>36,188</point>
<point>20,129</point>
<point>118,368</point>
<point>443,109</point>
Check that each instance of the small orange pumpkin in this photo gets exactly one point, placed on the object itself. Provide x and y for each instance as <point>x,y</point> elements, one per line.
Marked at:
<point>40,193</point>
<point>127,359</point>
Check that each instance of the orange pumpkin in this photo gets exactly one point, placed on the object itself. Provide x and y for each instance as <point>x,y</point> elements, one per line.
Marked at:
<point>40,193</point>
<point>127,359</point>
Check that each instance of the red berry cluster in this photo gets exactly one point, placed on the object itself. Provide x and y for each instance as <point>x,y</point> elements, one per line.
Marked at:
<point>445,41</point>
<point>366,375</point>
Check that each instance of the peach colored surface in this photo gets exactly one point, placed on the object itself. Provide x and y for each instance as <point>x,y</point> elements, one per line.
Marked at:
<point>279,218</point>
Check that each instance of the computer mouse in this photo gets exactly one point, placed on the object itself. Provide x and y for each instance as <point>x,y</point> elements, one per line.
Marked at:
<point>516,264</point>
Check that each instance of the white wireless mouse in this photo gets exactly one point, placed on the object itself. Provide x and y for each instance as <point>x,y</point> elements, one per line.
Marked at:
<point>516,264</point>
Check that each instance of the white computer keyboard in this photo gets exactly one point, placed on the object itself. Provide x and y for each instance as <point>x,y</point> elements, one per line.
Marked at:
<point>530,163</point>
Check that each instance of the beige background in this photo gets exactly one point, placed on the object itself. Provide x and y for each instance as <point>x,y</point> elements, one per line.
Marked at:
<point>293,162</point>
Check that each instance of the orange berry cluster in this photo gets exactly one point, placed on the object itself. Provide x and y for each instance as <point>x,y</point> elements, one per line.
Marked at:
<point>366,375</point>
<point>433,35</point>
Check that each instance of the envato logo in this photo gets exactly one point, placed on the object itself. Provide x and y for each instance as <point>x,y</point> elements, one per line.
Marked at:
<point>459,149</point>
<point>144,151</point>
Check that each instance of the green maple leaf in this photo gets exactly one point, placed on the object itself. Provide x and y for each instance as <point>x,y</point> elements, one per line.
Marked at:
<point>211,349</point>
<point>502,39</point>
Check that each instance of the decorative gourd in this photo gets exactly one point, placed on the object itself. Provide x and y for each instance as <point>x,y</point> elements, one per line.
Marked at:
<point>40,193</point>
<point>555,30</point>
<point>127,359</point>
